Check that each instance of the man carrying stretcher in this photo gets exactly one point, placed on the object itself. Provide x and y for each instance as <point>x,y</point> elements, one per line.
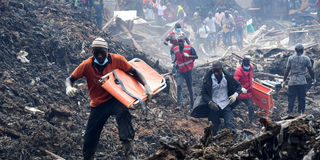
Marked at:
<point>102,103</point>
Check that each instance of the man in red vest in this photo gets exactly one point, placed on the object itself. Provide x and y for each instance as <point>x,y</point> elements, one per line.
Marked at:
<point>173,39</point>
<point>244,75</point>
<point>184,58</point>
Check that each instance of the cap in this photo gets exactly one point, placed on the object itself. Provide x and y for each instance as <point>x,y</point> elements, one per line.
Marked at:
<point>99,42</point>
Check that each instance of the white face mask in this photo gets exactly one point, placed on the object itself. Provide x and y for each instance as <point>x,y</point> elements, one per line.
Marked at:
<point>101,64</point>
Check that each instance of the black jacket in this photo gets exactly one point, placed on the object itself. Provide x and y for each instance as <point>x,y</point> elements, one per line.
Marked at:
<point>200,108</point>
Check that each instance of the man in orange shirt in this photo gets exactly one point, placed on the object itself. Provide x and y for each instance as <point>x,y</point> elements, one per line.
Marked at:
<point>102,103</point>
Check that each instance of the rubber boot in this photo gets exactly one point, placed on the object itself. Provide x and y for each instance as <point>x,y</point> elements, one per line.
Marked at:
<point>128,150</point>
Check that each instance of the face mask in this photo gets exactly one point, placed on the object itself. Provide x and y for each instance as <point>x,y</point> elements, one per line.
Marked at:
<point>101,64</point>
<point>293,24</point>
<point>246,68</point>
<point>178,29</point>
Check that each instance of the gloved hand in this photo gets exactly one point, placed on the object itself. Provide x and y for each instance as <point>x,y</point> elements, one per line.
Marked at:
<point>165,43</point>
<point>213,106</point>
<point>71,91</point>
<point>282,84</point>
<point>243,90</point>
<point>148,91</point>
<point>233,98</point>
<point>186,54</point>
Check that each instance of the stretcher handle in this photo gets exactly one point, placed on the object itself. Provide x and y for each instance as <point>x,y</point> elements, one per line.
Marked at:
<point>104,77</point>
<point>163,85</point>
<point>136,60</point>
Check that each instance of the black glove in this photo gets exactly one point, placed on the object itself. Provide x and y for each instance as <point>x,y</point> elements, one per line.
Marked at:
<point>165,43</point>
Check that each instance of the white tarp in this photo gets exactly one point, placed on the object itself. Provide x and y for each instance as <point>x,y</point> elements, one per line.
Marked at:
<point>126,15</point>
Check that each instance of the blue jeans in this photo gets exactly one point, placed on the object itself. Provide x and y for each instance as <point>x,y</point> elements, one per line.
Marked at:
<point>226,114</point>
<point>179,78</point>
<point>300,92</point>
<point>173,60</point>
<point>239,36</point>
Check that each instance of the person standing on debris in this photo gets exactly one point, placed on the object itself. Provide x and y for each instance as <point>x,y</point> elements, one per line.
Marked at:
<point>218,92</point>
<point>211,23</point>
<point>98,6</point>
<point>196,20</point>
<point>296,66</point>
<point>238,29</point>
<point>244,75</point>
<point>227,29</point>
<point>202,37</point>
<point>102,103</point>
<point>169,13</point>
<point>161,8</point>
<point>185,56</point>
<point>173,38</point>
<point>219,14</point>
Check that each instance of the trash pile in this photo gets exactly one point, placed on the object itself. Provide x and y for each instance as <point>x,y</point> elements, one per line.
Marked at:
<point>292,138</point>
<point>43,41</point>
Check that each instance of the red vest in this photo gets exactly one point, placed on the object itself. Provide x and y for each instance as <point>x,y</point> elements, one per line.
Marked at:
<point>173,41</point>
<point>184,63</point>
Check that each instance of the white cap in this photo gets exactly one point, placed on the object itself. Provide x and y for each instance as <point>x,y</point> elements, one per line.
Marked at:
<point>99,42</point>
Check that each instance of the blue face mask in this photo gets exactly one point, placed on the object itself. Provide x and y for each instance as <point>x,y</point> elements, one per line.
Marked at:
<point>178,29</point>
<point>246,68</point>
<point>101,64</point>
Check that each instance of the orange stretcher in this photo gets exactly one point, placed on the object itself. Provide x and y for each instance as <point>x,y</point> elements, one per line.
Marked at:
<point>128,90</point>
<point>262,97</point>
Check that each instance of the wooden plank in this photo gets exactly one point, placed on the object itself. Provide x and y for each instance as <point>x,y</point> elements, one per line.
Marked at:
<point>304,31</point>
<point>138,47</point>
<point>108,23</point>
<point>54,155</point>
<point>269,74</point>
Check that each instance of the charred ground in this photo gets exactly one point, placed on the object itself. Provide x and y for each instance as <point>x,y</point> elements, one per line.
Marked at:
<point>56,38</point>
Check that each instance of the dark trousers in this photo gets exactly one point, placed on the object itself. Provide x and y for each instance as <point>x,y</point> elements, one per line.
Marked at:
<point>227,39</point>
<point>239,36</point>
<point>173,59</point>
<point>188,77</point>
<point>214,117</point>
<point>248,103</point>
<point>98,117</point>
<point>300,92</point>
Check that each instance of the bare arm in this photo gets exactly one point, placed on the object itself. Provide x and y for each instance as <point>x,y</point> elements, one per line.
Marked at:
<point>137,75</point>
<point>286,73</point>
<point>187,41</point>
<point>311,72</point>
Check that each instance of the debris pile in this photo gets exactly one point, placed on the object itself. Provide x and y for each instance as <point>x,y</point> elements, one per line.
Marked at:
<point>292,138</point>
<point>43,41</point>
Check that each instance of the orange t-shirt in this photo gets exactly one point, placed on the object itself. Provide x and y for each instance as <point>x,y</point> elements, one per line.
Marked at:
<point>97,94</point>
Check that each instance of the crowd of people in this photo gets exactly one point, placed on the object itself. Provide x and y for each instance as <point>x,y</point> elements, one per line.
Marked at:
<point>221,91</point>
